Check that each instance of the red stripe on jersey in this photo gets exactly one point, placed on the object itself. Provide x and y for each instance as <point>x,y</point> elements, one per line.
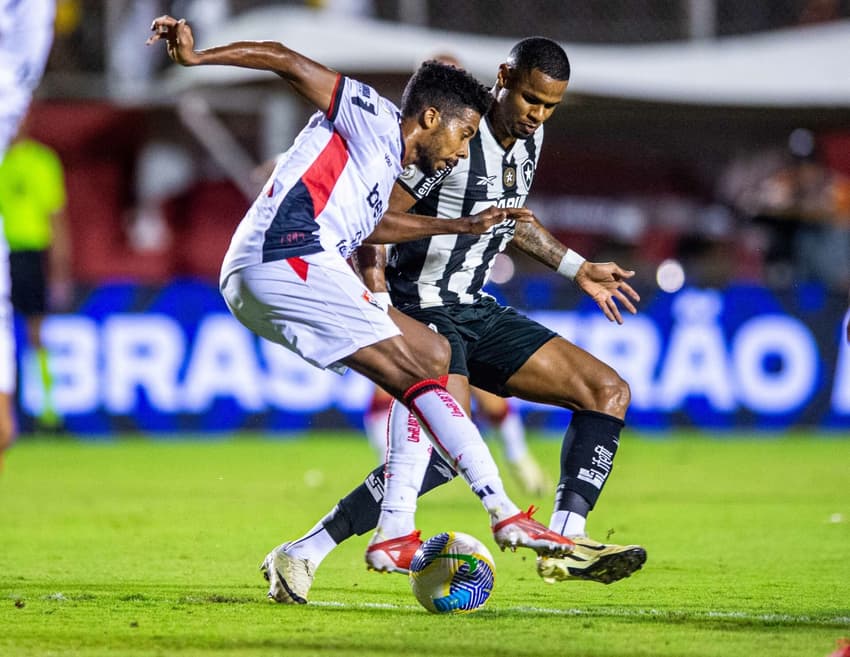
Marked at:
<point>299,266</point>
<point>322,175</point>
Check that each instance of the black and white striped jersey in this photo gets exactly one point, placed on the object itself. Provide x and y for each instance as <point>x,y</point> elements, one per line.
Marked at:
<point>451,269</point>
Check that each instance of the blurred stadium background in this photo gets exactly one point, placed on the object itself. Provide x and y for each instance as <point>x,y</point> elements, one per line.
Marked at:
<point>703,143</point>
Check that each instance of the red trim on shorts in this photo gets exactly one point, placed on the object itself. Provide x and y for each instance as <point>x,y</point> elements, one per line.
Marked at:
<point>326,169</point>
<point>299,266</point>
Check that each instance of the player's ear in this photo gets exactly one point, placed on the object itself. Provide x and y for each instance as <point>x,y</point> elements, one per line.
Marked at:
<point>430,118</point>
<point>504,76</point>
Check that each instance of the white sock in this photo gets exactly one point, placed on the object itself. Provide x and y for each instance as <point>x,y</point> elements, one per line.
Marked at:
<point>459,442</point>
<point>407,461</point>
<point>512,433</point>
<point>568,523</point>
<point>315,545</point>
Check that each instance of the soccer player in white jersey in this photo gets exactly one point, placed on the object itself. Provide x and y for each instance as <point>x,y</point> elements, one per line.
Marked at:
<point>439,281</point>
<point>26,34</point>
<point>285,275</point>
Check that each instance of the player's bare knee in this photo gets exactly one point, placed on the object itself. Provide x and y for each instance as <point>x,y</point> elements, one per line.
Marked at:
<point>439,357</point>
<point>432,355</point>
<point>613,395</point>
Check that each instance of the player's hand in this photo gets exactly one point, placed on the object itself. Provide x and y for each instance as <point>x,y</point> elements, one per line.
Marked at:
<point>480,223</point>
<point>179,41</point>
<point>605,283</point>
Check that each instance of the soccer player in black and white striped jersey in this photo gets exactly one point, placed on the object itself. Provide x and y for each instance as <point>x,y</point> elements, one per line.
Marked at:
<point>439,281</point>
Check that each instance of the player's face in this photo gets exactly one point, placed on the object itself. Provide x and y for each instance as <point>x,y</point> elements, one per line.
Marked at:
<point>447,141</point>
<point>524,101</point>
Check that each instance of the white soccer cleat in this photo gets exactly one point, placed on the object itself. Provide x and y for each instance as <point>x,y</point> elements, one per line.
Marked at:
<point>392,555</point>
<point>521,530</point>
<point>289,578</point>
<point>592,561</point>
<point>529,475</point>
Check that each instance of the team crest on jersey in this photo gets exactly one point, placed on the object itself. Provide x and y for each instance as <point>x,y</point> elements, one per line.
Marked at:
<point>527,173</point>
<point>408,172</point>
<point>509,177</point>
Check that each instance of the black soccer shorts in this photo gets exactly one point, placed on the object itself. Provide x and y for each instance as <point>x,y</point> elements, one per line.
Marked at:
<point>29,282</point>
<point>489,342</point>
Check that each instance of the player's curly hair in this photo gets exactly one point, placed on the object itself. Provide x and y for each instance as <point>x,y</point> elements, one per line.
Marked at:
<point>451,90</point>
<point>542,54</point>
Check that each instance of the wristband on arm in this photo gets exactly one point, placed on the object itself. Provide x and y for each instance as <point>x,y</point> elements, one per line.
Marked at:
<point>570,264</point>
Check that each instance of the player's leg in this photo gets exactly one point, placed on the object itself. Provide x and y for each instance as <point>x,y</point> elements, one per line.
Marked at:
<point>562,374</point>
<point>7,355</point>
<point>451,433</point>
<point>500,414</point>
<point>7,424</point>
<point>29,297</point>
<point>301,304</point>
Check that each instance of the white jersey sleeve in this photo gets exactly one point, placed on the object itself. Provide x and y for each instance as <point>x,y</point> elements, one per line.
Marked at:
<point>360,114</point>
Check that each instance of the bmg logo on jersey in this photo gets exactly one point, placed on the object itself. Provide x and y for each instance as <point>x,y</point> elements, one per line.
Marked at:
<point>375,202</point>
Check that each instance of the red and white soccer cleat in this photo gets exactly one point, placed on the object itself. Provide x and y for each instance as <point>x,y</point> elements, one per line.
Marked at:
<point>521,530</point>
<point>393,555</point>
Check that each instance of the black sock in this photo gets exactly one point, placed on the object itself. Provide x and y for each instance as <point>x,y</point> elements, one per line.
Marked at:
<point>587,457</point>
<point>358,512</point>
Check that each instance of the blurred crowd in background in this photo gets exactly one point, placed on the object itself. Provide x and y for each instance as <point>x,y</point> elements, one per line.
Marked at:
<point>682,194</point>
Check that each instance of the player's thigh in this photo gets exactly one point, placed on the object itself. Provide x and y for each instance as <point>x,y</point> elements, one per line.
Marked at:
<point>397,363</point>
<point>562,374</point>
<point>427,346</point>
<point>504,342</point>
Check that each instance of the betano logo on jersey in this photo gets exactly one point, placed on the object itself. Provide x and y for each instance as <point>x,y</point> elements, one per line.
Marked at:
<point>428,183</point>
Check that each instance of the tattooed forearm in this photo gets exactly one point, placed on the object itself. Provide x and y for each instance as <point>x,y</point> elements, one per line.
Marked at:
<point>534,240</point>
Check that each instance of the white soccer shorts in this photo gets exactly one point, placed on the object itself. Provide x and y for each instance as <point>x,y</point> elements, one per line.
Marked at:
<point>7,334</point>
<point>315,306</point>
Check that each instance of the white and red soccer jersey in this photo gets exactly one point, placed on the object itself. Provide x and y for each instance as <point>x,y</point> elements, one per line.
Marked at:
<point>26,34</point>
<point>330,189</point>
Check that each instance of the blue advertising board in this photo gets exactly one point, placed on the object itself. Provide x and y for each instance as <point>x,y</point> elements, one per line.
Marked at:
<point>173,359</point>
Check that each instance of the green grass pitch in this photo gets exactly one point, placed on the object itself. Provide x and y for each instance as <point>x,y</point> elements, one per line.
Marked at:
<point>152,547</point>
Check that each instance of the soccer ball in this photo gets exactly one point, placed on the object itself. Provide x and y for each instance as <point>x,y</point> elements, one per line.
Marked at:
<point>452,573</point>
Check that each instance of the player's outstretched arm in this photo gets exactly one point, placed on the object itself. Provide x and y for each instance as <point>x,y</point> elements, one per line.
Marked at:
<point>397,227</point>
<point>310,79</point>
<point>605,282</point>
